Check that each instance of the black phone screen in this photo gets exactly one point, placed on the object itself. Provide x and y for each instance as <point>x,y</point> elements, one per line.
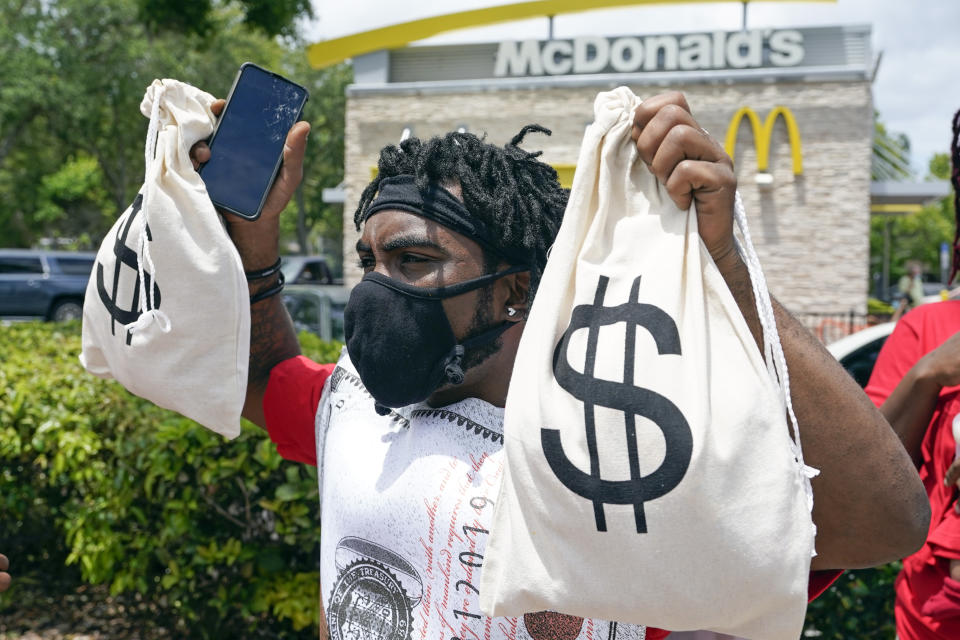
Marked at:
<point>247,146</point>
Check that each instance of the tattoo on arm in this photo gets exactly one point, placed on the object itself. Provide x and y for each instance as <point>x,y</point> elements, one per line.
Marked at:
<point>272,340</point>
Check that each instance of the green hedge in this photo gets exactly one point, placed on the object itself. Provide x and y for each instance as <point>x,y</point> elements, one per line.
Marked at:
<point>222,536</point>
<point>858,605</point>
<point>879,307</point>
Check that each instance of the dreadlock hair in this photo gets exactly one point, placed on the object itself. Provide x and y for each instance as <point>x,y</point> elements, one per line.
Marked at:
<point>506,188</point>
<point>955,180</point>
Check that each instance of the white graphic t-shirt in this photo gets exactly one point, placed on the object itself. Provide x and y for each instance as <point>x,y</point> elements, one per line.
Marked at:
<point>406,504</point>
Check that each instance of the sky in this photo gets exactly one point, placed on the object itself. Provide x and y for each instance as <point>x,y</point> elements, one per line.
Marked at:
<point>916,89</point>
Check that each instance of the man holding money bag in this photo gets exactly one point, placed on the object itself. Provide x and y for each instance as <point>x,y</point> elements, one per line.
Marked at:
<point>407,429</point>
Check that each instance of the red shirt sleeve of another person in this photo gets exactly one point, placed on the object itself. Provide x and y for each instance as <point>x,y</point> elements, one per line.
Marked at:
<point>290,407</point>
<point>918,333</point>
<point>899,353</point>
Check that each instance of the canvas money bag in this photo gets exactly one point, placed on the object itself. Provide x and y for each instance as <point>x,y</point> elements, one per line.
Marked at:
<point>167,309</point>
<point>650,474</point>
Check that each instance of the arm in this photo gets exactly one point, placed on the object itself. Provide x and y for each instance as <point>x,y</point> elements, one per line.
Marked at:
<point>870,506</point>
<point>910,406</point>
<point>863,517</point>
<point>272,336</point>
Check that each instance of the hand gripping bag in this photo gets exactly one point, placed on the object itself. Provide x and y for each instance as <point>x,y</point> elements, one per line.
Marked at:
<point>167,309</point>
<point>650,473</point>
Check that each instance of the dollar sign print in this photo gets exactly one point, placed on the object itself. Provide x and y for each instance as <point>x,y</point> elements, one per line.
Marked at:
<point>126,256</point>
<point>626,397</point>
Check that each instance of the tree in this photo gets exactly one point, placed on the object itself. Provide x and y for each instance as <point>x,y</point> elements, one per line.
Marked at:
<point>71,132</point>
<point>71,91</point>
<point>917,236</point>
<point>272,17</point>
<point>911,237</point>
<point>939,167</point>
<point>891,153</point>
<point>29,84</point>
<point>71,196</point>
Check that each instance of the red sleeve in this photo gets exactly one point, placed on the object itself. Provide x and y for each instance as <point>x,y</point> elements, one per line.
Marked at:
<point>944,539</point>
<point>899,353</point>
<point>290,407</point>
<point>820,581</point>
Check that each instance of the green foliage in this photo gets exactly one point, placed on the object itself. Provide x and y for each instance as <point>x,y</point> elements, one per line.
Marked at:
<point>70,94</point>
<point>915,236</point>
<point>276,16</point>
<point>858,605</point>
<point>878,307</point>
<point>191,16</point>
<point>319,350</point>
<point>222,536</point>
<point>73,195</point>
<point>939,167</point>
<point>891,154</point>
<point>272,17</point>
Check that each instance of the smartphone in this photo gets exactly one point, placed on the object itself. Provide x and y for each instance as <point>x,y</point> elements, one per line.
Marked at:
<point>246,147</point>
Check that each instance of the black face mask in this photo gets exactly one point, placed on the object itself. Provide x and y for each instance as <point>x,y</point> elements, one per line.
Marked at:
<point>400,340</point>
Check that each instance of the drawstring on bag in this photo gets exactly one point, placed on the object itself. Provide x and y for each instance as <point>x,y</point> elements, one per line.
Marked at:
<point>773,349</point>
<point>148,307</point>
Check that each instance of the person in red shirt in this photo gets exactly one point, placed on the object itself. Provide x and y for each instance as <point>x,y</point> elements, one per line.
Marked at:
<point>863,518</point>
<point>916,384</point>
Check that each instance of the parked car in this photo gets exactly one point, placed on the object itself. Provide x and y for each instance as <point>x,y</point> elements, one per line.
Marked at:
<point>306,270</point>
<point>43,284</point>
<point>858,351</point>
<point>317,308</point>
<point>934,289</point>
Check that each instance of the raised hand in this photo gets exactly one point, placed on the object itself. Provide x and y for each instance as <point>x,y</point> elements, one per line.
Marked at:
<point>693,167</point>
<point>289,176</point>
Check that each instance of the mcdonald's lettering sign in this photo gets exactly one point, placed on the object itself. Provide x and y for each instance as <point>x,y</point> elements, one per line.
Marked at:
<point>763,134</point>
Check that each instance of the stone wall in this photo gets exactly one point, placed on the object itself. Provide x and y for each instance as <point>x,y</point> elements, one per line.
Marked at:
<point>811,231</point>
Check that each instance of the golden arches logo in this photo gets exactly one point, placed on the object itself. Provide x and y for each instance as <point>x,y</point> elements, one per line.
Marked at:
<point>762,136</point>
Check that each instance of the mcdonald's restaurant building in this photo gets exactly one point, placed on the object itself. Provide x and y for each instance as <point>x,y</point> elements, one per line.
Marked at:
<point>793,107</point>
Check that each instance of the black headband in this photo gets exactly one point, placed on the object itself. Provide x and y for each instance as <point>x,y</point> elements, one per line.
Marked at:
<point>438,204</point>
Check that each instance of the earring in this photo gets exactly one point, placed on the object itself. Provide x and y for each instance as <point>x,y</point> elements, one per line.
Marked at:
<point>511,312</point>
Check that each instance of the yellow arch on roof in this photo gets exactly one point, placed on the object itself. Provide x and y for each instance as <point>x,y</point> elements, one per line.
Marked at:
<point>327,52</point>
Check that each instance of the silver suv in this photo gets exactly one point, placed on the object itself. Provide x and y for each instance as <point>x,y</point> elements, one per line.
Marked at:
<point>43,284</point>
